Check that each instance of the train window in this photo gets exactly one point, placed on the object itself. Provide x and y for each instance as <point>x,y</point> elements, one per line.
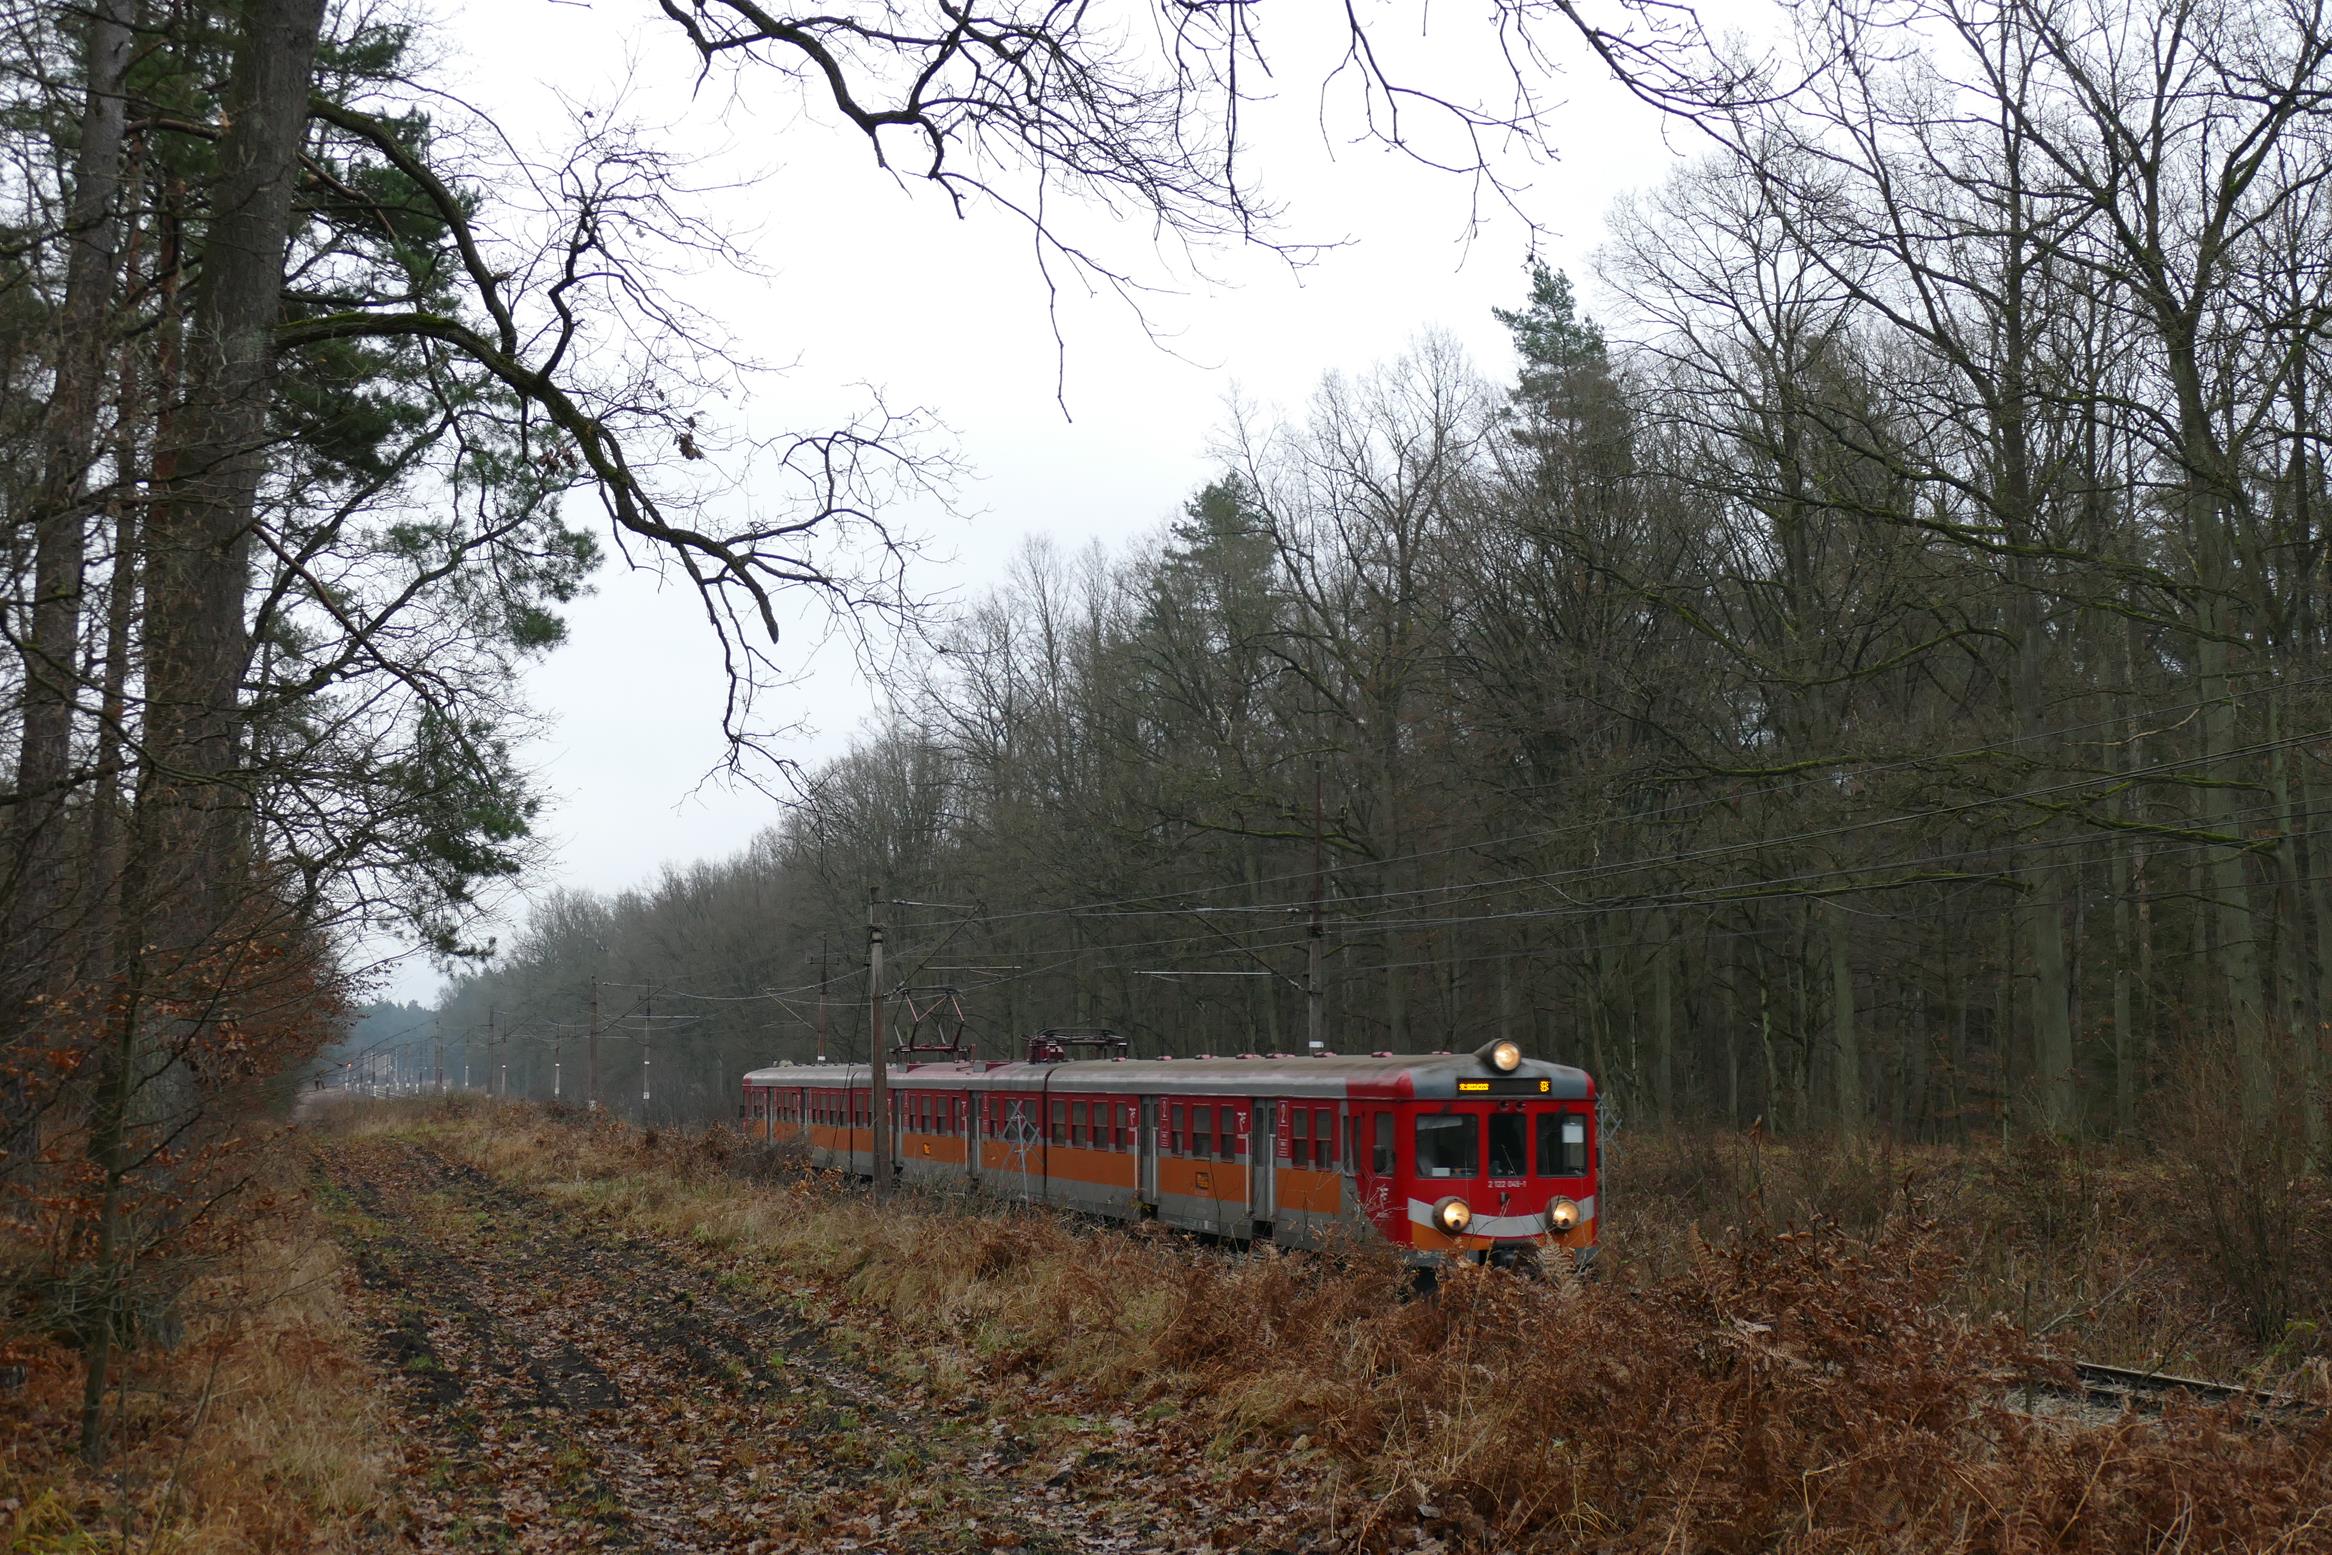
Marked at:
<point>1129,1117</point>
<point>1060,1134</point>
<point>1077,1123</point>
<point>1324,1140</point>
<point>1202,1131</point>
<point>1299,1150</point>
<point>1174,1132</point>
<point>1227,1138</point>
<point>1509,1145</point>
<point>1562,1144</point>
<point>1381,1155</point>
<point>1449,1144</point>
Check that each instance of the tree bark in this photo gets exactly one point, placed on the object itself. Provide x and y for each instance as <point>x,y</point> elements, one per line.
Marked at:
<point>40,905</point>
<point>198,550</point>
<point>1845,1038</point>
<point>1663,1021</point>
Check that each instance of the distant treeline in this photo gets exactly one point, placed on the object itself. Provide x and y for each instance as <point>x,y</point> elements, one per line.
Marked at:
<point>1882,683</point>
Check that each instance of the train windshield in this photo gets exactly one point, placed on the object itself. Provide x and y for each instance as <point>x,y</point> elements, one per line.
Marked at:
<point>1449,1145</point>
<point>1509,1145</point>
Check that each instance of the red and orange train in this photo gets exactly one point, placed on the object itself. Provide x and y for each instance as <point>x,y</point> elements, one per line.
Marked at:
<point>1488,1156</point>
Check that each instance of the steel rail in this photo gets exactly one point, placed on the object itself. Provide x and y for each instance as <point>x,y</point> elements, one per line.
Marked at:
<point>2150,1390</point>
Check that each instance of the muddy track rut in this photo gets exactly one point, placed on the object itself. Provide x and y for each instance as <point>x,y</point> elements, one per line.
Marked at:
<point>565,1387</point>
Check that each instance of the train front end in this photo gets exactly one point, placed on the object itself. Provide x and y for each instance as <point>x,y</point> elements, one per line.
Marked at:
<point>1495,1160</point>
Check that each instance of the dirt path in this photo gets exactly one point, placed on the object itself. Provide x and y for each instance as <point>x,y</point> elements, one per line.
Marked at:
<point>571,1388</point>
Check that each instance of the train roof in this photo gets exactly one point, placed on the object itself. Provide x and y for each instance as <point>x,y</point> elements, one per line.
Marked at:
<point>1430,1076</point>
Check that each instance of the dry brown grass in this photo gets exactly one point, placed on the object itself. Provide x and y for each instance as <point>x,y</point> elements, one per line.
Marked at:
<point>258,1431</point>
<point>2212,1258</point>
<point>1846,1385</point>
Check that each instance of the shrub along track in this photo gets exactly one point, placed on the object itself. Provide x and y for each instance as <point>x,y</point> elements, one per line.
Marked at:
<point>566,1389</point>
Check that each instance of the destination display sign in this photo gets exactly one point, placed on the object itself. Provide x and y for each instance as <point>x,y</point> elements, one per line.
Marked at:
<point>1506,1085</point>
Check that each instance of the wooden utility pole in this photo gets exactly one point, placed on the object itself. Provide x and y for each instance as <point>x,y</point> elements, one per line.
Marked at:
<point>1315,988</point>
<point>647,1024</point>
<point>878,1054</point>
<point>591,1054</point>
<point>821,996</point>
<point>493,1048</point>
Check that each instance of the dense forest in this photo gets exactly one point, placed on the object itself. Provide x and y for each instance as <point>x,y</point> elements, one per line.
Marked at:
<point>1874,678</point>
<point>1867,678</point>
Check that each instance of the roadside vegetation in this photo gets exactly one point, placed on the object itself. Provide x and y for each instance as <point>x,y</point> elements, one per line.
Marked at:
<point>250,1422</point>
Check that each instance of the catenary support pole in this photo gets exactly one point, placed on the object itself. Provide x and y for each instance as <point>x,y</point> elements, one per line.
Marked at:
<point>1315,989</point>
<point>877,1044</point>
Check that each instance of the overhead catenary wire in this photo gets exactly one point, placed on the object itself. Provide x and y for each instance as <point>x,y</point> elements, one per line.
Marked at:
<point>1828,767</point>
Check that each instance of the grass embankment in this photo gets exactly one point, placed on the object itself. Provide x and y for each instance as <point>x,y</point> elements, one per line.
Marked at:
<point>258,1430</point>
<point>1845,1385</point>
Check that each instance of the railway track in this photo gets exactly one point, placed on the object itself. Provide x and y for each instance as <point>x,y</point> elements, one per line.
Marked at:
<point>2123,1386</point>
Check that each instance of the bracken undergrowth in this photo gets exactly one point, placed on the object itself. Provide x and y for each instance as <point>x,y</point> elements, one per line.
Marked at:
<point>1789,1382</point>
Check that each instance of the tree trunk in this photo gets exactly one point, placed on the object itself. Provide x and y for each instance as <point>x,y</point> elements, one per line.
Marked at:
<point>2295,989</point>
<point>40,905</point>
<point>1663,1020</point>
<point>1389,832</point>
<point>177,885</point>
<point>2230,912</point>
<point>199,559</point>
<point>1845,1039</point>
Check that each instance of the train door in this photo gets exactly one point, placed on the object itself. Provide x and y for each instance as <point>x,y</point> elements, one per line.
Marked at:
<point>1371,1158</point>
<point>1262,1165</point>
<point>1146,1146</point>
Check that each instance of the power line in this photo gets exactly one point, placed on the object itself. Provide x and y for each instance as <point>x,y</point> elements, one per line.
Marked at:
<point>1827,774</point>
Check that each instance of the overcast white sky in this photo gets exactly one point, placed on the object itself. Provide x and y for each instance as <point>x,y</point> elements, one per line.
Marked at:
<point>873,285</point>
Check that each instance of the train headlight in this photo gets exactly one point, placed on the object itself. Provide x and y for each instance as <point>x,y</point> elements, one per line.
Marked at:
<point>1453,1215</point>
<point>1563,1215</point>
<point>1504,1056</point>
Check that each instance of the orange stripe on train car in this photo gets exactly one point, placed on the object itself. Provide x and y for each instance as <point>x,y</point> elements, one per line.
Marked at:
<point>1101,1168</point>
<point>1225,1180</point>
